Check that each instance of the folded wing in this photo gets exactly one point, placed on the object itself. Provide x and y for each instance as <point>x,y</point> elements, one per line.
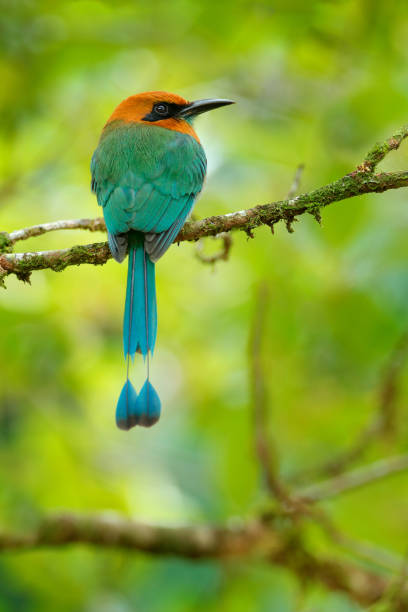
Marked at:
<point>149,185</point>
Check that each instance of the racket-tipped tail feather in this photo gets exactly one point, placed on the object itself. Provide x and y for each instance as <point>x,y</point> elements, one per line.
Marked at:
<point>148,406</point>
<point>132,409</point>
<point>126,406</point>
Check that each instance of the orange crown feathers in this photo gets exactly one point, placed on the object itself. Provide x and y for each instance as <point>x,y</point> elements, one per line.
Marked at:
<point>135,108</point>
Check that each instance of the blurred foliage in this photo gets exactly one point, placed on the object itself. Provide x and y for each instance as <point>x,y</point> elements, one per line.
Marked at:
<point>317,83</point>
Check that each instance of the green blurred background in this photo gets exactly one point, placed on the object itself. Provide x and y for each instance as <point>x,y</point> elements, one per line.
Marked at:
<point>316,83</point>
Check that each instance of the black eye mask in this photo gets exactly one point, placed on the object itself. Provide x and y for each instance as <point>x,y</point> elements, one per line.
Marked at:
<point>163,110</point>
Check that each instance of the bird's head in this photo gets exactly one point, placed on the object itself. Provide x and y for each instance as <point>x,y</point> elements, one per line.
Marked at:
<point>164,109</point>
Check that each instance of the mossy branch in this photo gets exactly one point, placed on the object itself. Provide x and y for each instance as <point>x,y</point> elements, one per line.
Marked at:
<point>361,181</point>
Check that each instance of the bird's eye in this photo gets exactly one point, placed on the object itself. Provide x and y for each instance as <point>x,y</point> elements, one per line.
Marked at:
<point>161,109</point>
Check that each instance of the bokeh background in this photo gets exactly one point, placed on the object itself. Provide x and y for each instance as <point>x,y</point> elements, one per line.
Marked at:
<point>316,83</point>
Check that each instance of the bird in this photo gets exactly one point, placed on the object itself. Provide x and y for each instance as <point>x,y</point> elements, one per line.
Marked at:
<point>147,171</point>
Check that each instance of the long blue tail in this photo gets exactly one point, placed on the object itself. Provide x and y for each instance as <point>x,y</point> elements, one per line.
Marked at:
<point>139,336</point>
<point>140,320</point>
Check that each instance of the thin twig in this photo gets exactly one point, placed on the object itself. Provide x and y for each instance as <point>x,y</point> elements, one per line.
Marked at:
<point>382,425</point>
<point>398,591</point>
<point>264,447</point>
<point>221,255</point>
<point>296,182</point>
<point>8,187</point>
<point>381,149</point>
<point>93,225</point>
<point>354,479</point>
<point>366,551</point>
<point>296,506</point>
<point>395,597</point>
<point>389,390</point>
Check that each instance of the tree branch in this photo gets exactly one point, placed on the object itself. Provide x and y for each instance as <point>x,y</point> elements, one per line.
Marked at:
<point>276,540</point>
<point>300,504</point>
<point>264,448</point>
<point>22,264</point>
<point>93,225</point>
<point>354,479</point>
<point>252,539</point>
<point>296,182</point>
<point>221,255</point>
<point>381,149</point>
<point>383,424</point>
<point>293,506</point>
<point>362,181</point>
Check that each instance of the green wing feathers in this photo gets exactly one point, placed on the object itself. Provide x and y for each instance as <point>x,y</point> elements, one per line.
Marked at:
<point>146,178</point>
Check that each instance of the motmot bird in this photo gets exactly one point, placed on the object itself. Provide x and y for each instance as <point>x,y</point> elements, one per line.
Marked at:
<point>147,172</point>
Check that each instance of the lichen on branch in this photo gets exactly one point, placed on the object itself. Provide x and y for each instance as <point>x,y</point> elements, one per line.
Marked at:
<point>362,181</point>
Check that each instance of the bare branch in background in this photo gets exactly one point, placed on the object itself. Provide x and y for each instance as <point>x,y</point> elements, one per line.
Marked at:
<point>362,550</point>
<point>354,479</point>
<point>253,539</point>
<point>8,187</point>
<point>300,504</point>
<point>294,188</point>
<point>387,418</point>
<point>398,591</point>
<point>362,181</point>
<point>221,255</point>
<point>382,425</point>
<point>265,450</point>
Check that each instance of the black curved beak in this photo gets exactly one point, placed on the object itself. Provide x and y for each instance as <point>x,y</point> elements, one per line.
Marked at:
<point>202,106</point>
